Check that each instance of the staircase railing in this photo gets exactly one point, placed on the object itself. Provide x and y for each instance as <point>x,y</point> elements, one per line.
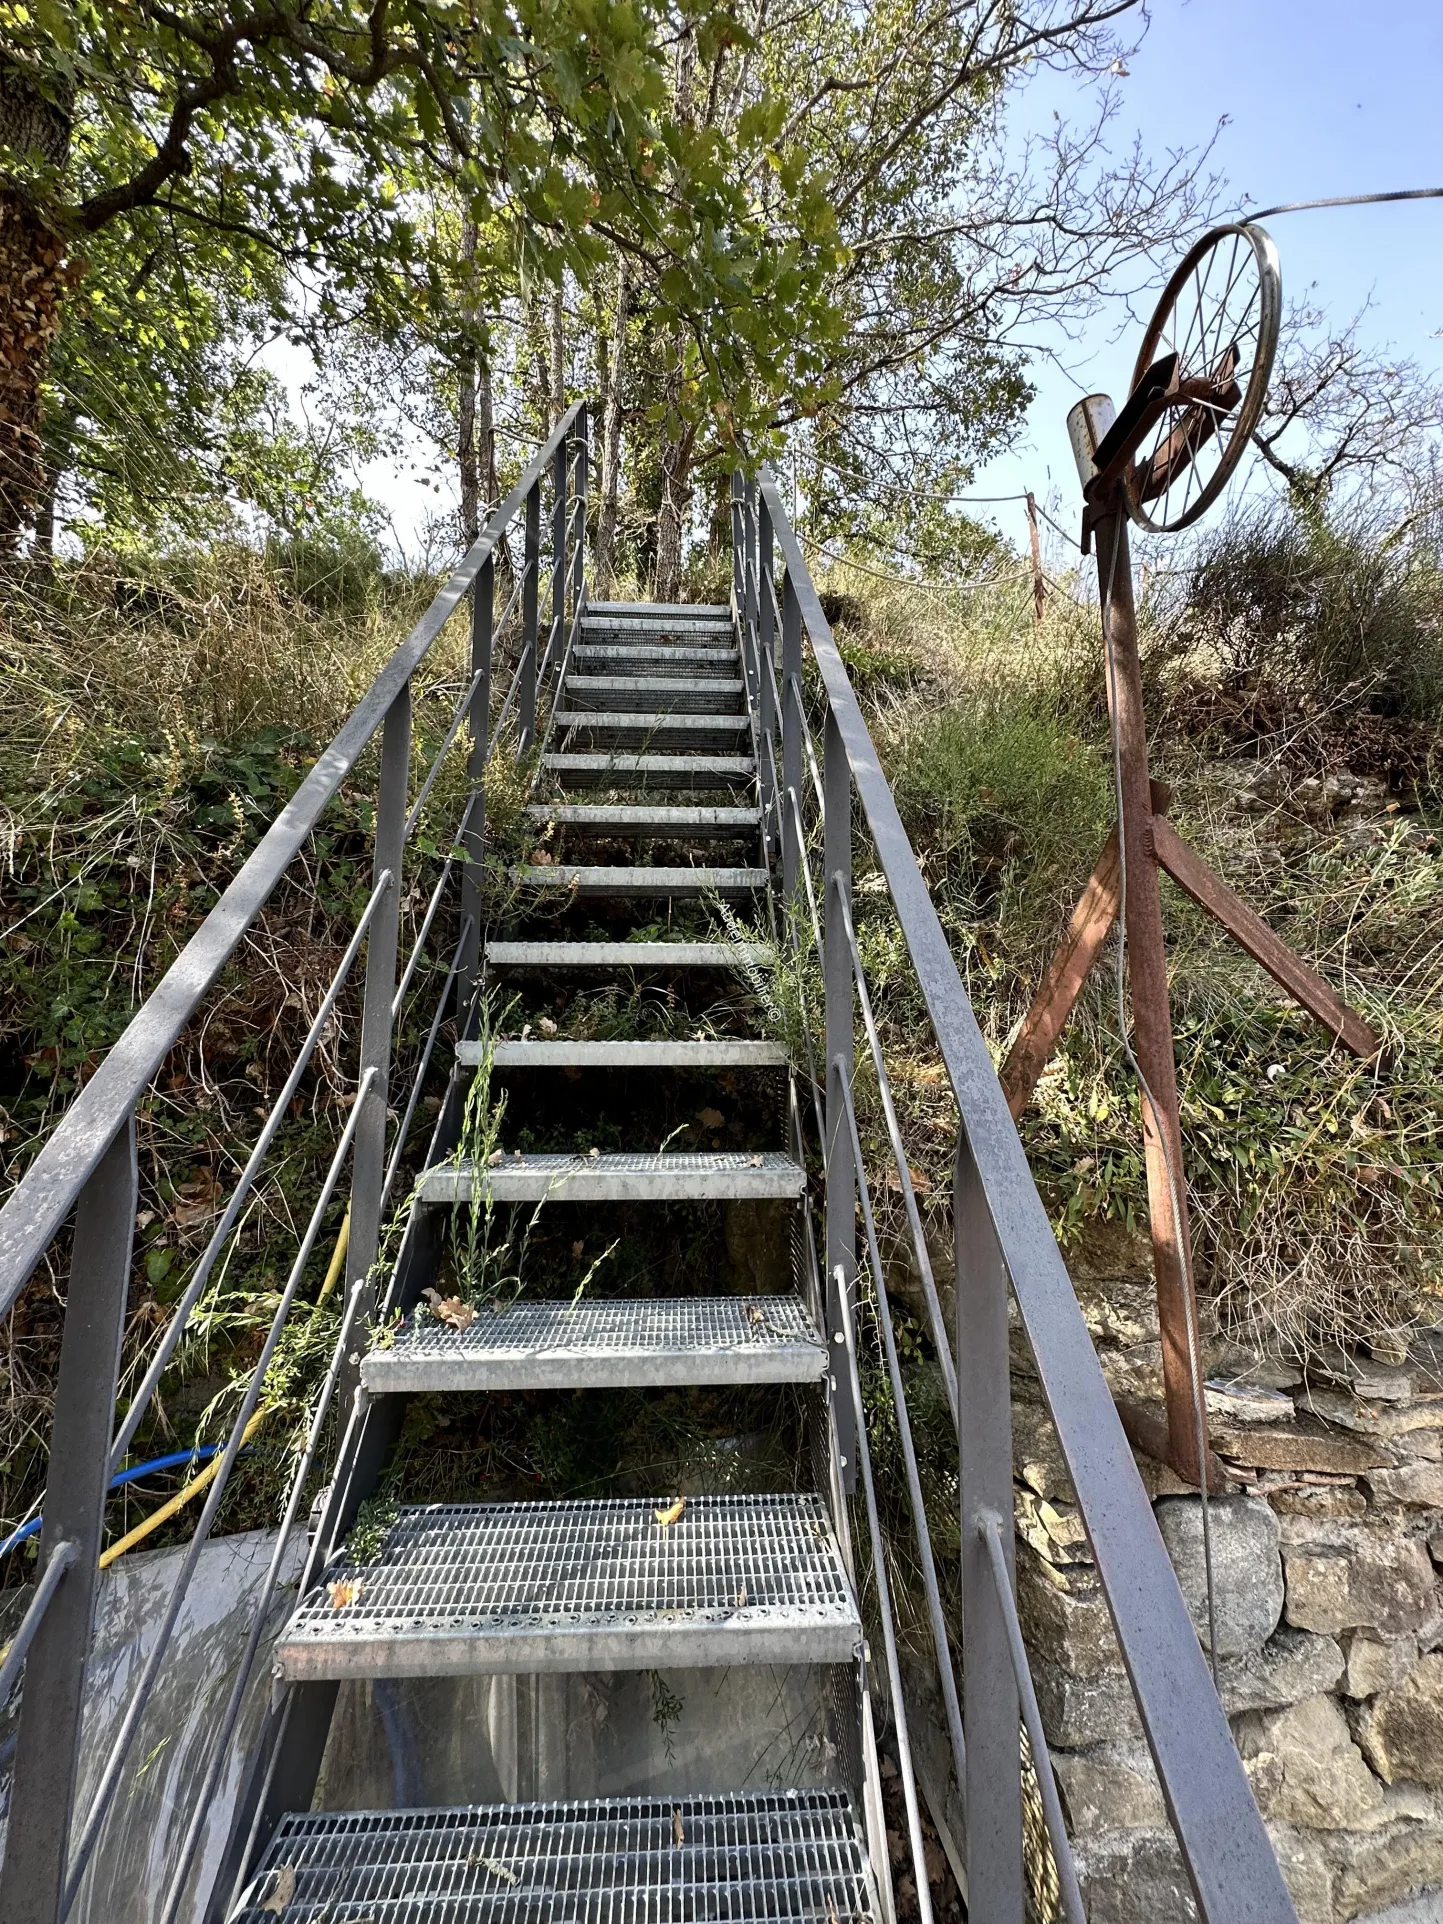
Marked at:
<point>1004,1245</point>
<point>1003,1241</point>
<point>89,1166</point>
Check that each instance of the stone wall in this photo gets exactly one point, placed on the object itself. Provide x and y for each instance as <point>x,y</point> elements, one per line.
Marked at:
<point>1329,1622</point>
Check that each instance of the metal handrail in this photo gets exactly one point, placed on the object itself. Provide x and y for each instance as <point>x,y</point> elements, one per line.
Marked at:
<point>1004,1238</point>
<point>91,1159</point>
<point>47,1192</point>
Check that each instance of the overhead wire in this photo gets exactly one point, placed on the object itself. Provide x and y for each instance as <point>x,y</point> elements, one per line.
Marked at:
<point>1343,200</point>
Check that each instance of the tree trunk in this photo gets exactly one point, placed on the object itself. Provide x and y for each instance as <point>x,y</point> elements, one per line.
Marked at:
<point>558,357</point>
<point>612,400</point>
<point>34,277</point>
<point>466,403</point>
<point>466,449</point>
<point>675,500</point>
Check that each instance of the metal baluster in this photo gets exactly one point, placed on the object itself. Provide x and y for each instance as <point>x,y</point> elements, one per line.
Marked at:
<point>793,727</point>
<point>369,1161</point>
<point>473,833</point>
<point>558,552</point>
<point>738,547</point>
<point>749,587</point>
<point>766,670</point>
<point>526,714</point>
<point>841,1170</point>
<point>989,1688</point>
<point>42,1796</point>
<point>581,430</point>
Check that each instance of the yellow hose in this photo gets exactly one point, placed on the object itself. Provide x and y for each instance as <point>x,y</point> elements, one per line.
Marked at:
<point>208,1474</point>
<point>178,1501</point>
<point>338,1258</point>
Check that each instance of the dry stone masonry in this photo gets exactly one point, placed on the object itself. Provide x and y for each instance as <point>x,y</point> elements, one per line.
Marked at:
<point>1329,1622</point>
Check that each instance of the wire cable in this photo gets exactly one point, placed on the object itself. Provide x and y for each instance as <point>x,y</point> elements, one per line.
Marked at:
<point>1195,1379</point>
<point>1345,200</point>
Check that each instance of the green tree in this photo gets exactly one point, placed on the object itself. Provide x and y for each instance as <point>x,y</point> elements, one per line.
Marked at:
<point>208,165</point>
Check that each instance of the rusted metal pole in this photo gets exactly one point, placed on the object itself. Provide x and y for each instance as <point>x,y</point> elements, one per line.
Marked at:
<point>1146,955</point>
<point>1039,585</point>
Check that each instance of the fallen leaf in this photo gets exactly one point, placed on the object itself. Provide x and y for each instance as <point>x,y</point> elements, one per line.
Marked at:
<point>741,1597</point>
<point>496,1869</point>
<point>921,1185</point>
<point>678,1832</point>
<point>577,1250</point>
<point>285,1890</point>
<point>711,1118</point>
<point>450,1309</point>
<point>670,1515</point>
<point>832,1917</point>
<point>542,859</point>
<point>547,1026</point>
<point>343,1591</point>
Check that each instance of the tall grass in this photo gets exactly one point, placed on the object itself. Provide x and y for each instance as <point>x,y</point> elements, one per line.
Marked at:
<point>1317,1189</point>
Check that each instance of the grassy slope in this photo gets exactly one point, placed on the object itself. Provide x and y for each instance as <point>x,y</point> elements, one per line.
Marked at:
<point>1316,1182</point>
<point>149,730</point>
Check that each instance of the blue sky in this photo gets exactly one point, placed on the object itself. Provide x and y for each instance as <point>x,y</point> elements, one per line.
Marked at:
<point>1320,97</point>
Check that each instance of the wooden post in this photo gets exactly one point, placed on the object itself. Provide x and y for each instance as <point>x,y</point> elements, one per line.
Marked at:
<point>1146,957</point>
<point>1039,585</point>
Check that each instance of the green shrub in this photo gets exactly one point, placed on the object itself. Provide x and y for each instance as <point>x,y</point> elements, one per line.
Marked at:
<point>1007,795</point>
<point>1333,609</point>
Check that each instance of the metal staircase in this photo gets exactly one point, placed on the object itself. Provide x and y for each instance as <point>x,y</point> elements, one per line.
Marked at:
<point>660,740</point>
<point>646,1583</point>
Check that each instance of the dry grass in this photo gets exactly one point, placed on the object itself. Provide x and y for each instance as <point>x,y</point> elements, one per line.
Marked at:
<point>1316,1188</point>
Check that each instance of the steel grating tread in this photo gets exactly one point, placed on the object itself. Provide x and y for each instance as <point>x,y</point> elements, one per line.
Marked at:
<point>619,768</point>
<point>461,1589</point>
<point>632,1176</point>
<point>672,694</point>
<point>702,610</point>
<point>727,1052</point>
<point>658,620</point>
<point>674,659</point>
<point>629,955</point>
<point>639,818</point>
<point>605,1344</point>
<point>754,1857</point>
<point>650,724</point>
<point>604,878</point>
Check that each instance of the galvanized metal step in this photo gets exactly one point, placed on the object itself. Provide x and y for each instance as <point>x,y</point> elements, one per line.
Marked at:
<point>658,618</point>
<point>669,694</point>
<point>702,610</point>
<point>605,1345</point>
<point>632,819</point>
<point>727,1053</point>
<point>620,1583</point>
<point>672,658</point>
<point>723,1175</point>
<point>569,878</point>
<point>635,729</point>
<point>628,955</point>
<point>649,771</point>
<point>752,1857</point>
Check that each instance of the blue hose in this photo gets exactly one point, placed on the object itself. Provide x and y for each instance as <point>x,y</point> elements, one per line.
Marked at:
<point>132,1475</point>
